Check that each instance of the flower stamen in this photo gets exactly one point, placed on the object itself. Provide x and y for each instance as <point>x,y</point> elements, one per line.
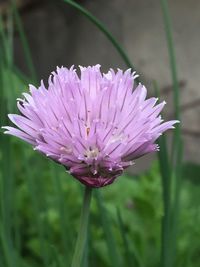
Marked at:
<point>87,130</point>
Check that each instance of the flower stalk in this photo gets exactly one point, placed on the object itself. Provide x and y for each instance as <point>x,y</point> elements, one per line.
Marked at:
<point>82,234</point>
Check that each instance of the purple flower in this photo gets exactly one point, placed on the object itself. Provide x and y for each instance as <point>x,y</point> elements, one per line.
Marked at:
<point>95,125</point>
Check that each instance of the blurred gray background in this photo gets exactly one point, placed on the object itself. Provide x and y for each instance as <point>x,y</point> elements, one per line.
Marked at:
<point>59,35</point>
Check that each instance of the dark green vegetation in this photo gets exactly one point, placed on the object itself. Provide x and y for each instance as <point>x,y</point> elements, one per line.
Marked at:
<point>40,208</point>
<point>151,220</point>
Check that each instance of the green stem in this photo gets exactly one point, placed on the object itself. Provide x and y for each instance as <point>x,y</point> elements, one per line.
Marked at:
<point>166,194</point>
<point>104,30</point>
<point>173,67</point>
<point>177,145</point>
<point>165,170</point>
<point>82,234</point>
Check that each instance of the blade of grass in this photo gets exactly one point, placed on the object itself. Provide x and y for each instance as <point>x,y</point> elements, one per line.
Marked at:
<point>7,64</point>
<point>177,142</point>
<point>8,87</point>
<point>8,186</point>
<point>5,248</point>
<point>173,68</point>
<point>5,213</point>
<point>166,191</point>
<point>7,183</point>
<point>176,202</point>
<point>65,229</point>
<point>172,58</point>
<point>110,240</point>
<point>165,171</point>
<point>10,35</point>
<point>5,56</point>
<point>104,30</point>
<point>24,41</point>
<point>6,199</point>
<point>32,187</point>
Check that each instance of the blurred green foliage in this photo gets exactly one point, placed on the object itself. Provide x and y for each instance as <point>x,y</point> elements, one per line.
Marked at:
<point>44,214</point>
<point>40,203</point>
